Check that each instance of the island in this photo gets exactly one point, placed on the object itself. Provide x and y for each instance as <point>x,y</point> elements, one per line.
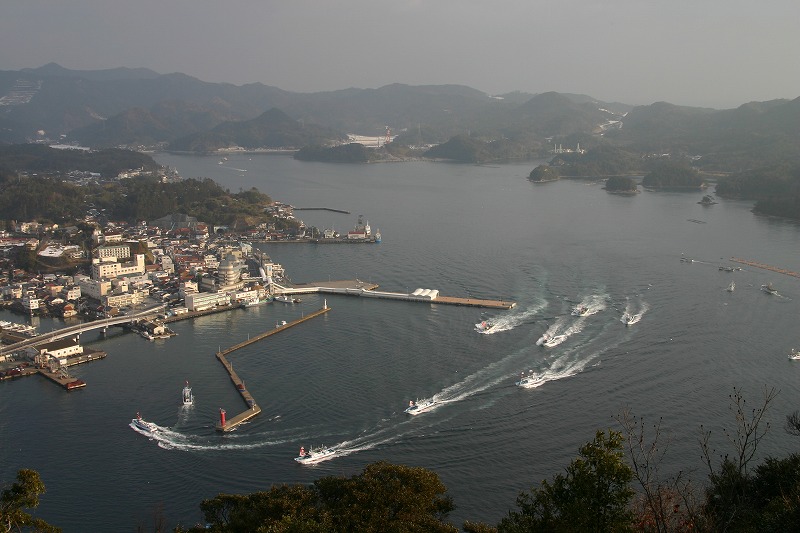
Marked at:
<point>621,185</point>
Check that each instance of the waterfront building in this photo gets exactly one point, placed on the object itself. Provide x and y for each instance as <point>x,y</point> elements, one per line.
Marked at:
<point>206,300</point>
<point>59,350</point>
<point>30,302</point>
<point>124,299</point>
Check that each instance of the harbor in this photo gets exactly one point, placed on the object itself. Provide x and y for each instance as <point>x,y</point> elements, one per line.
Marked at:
<point>225,424</point>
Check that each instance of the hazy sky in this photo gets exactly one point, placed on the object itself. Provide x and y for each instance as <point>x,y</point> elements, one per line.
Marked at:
<point>715,53</point>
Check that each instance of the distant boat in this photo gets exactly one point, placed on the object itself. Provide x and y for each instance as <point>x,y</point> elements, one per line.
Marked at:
<point>769,289</point>
<point>552,341</point>
<point>144,425</point>
<point>529,381</point>
<point>731,287</point>
<point>580,310</point>
<point>286,299</point>
<point>484,326</point>
<point>415,408</point>
<point>188,397</point>
<point>794,354</point>
<point>312,455</point>
<point>628,319</point>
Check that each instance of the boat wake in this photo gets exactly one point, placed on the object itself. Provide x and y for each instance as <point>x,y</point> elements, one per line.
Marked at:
<point>590,305</point>
<point>632,315</point>
<point>559,332</point>
<point>509,321</point>
<point>398,427</point>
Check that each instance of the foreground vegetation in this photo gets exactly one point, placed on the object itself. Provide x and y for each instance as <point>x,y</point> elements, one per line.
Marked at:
<point>614,484</point>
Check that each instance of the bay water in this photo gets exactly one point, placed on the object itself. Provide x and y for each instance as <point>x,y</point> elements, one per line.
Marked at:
<point>345,378</point>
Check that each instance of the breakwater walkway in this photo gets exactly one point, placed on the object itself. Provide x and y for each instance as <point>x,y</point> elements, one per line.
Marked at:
<point>364,289</point>
<point>765,267</point>
<point>253,409</point>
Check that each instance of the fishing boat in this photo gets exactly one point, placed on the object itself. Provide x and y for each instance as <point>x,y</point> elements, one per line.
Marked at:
<point>188,397</point>
<point>143,424</point>
<point>794,354</point>
<point>580,310</point>
<point>628,319</point>
<point>311,456</point>
<point>484,326</point>
<point>529,381</point>
<point>554,340</point>
<point>731,287</point>
<point>415,408</point>
<point>282,298</point>
<point>769,289</point>
<point>254,302</point>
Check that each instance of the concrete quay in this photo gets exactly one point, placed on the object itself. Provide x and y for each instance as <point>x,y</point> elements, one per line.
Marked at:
<point>252,407</point>
<point>364,289</point>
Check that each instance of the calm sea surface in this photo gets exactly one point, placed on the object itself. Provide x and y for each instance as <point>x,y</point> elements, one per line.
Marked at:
<point>344,378</point>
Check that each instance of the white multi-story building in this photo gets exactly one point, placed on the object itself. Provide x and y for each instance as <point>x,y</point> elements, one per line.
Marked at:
<point>71,293</point>
<point>201,301</point>
<point>30,302</point>
<point>125,299</point>
<point>93,288</point>
<point>60,349</point>
<point>110,268</point>
<point>122,251</point>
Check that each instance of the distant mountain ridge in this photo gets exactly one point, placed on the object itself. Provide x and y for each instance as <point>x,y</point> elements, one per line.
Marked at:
<point>135,107</point>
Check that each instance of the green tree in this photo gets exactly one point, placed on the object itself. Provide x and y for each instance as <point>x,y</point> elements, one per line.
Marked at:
<point>22,495</point>
<point>384,498</point>
<point>593,495</point>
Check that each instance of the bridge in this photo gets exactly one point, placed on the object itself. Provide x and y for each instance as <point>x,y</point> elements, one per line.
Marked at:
<point>78,329</point>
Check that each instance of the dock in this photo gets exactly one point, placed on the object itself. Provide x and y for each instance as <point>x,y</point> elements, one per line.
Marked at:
<point>762,266</point>
<point>252,407</point>
<point>365,289</point>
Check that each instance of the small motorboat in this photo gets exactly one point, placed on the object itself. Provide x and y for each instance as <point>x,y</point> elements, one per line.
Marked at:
<point>555,341</point>
<point>543,339</point>
<point>483,327</point>
<point>794,354</point>
<point>188,397</point>
<point>530,381</point>
<point>628,319</point>
<point>283,299</point>
<point>769,289</point>
<point>415,408</point>
<point>731,287</point>
<point>143,424</point>
<point>311,456</point>
<point>580,310</point>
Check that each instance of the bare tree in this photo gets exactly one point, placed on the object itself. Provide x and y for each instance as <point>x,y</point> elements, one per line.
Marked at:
<point>666,503</point>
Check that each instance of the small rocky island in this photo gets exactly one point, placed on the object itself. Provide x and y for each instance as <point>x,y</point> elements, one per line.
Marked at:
<point>621,185</point>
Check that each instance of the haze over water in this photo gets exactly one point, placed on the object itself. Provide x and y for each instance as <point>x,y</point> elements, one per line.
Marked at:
<point>345,378</point>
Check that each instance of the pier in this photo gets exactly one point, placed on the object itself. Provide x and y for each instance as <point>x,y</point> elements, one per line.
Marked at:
<point>364,289</point>
<point>765,267</point>
<point>253,409</point>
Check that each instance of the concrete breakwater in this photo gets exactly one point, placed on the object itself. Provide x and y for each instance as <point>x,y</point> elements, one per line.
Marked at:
<point>229,424</point>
